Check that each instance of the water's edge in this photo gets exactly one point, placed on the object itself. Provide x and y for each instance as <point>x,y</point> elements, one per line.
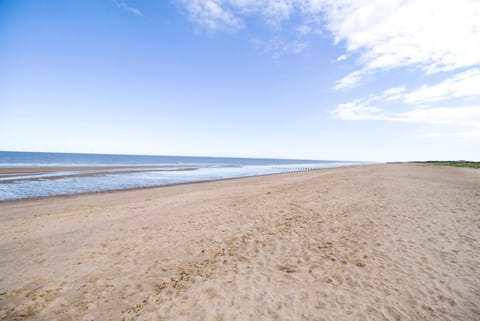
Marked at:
<point>119,190</point>
<point>27,175</point>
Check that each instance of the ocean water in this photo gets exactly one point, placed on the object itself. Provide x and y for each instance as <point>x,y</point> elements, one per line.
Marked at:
<point>81,172</point>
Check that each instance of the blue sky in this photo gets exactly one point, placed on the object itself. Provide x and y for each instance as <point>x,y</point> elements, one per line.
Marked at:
<point>318,79</point>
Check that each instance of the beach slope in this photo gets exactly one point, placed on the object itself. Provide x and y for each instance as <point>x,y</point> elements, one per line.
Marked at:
<point>380,242</point>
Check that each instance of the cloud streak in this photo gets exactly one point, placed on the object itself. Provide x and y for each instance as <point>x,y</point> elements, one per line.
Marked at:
<point>416,105</point>
<point>459,116</point>
<point>212,14</point>
<point>434,37</point>
<point>385,34</point>
<point>277,47</point>
<point>376,35</point>
<point>124,6</point>
<point>464,84</point>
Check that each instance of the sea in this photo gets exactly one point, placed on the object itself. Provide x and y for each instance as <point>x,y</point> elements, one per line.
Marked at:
<point>34,175</point>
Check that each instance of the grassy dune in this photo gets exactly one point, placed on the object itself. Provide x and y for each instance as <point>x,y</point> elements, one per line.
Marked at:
<point>456,163</point>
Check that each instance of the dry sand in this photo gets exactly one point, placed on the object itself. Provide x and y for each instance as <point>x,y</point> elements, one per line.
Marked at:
<point>383,242</point>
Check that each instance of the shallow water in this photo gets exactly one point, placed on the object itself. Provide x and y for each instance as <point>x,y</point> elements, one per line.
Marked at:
<point>29,185</point>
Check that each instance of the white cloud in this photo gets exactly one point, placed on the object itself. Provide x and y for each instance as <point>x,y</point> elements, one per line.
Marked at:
<point>426,36</point>
<point>433,36</point>
<point>304,30</point>
<point>212,14</point>
<point>124,6</point>
<point>272,12</point>
<point>350,80</point>
<point>277,11</point>
<point>460,85</point>
<point>278,47</point>
<point>356,110</point>
<point>393,93</point>
<point>415,103</point>
<point>387,95</point>
<point>459,116</point>
<point>219,14</point>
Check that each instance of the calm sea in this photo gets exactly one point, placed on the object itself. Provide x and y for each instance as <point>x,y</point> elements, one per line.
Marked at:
<point>81,173</point>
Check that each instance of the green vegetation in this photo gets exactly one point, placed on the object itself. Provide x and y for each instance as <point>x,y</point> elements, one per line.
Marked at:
<point>456,163</point>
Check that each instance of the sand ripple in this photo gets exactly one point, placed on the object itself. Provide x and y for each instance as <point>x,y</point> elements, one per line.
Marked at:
<point>386,242</point>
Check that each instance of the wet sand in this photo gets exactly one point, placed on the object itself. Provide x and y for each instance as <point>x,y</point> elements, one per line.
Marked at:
<point>381,242</point>
<point>47,169</point>
<point>12,175</point>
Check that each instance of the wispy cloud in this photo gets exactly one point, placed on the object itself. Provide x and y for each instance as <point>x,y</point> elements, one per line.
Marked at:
<point>124,6</point>
<point>231,14</point>
<point>459,116</point>
<point>351,80</point>
<point>381,35</point>
<point>460,85</point>
<point>416,104</point>
<point>277,46</point>
<point>392,34</point>
<point>212,14</point>
<point>459,136</point>
<point>234,15</point>
<point>430,36</point>
<point>464,84</point>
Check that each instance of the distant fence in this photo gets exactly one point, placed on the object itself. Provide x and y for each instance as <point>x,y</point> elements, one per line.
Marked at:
<point>296,168</point>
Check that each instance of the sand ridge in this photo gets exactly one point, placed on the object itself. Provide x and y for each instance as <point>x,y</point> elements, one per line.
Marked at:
<point>383,242</point>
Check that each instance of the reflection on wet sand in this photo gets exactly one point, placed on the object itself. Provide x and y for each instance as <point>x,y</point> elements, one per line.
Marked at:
<point>11,175</point>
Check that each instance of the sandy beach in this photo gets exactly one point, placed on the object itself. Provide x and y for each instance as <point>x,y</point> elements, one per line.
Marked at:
<point>379,242</point>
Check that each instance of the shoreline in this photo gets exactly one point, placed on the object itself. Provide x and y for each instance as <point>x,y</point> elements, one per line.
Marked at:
<point>53,177</point>
<point>166,185</point>
<point>55,168</point>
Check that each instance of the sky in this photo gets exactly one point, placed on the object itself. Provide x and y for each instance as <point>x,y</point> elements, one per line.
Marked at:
<point>365,80</point>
